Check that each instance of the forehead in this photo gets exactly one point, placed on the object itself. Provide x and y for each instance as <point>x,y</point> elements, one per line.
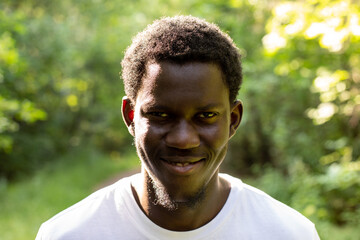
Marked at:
<point>191,81</point>
<point>172,73</point>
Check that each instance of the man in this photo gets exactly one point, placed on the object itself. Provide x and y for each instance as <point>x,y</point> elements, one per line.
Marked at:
<point>181,77</point>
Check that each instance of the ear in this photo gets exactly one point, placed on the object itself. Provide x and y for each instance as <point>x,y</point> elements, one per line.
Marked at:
<point>128,114</point>
<point>236,115</point>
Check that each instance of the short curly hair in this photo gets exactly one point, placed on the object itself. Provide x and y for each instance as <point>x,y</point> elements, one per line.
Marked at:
<point>181,39</point>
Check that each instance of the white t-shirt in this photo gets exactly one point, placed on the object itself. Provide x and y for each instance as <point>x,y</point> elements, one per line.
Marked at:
<point>112,213</point>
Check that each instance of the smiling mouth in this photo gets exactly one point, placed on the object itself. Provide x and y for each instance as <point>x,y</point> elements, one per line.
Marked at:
<point>183,164</point>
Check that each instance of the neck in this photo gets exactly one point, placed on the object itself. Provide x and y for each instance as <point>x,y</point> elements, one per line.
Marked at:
<point>182,216</point>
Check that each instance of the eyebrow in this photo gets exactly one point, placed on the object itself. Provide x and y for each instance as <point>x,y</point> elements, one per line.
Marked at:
<point>210,106</point>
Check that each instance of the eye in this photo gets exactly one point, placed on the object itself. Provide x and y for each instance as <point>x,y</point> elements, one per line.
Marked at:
<point>207,115</point>
<point>159,114</point>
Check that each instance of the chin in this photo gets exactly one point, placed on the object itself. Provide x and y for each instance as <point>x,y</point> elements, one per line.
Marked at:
<point>174,196</point>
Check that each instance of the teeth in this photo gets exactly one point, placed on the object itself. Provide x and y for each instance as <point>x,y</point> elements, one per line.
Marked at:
<point>181,164</point>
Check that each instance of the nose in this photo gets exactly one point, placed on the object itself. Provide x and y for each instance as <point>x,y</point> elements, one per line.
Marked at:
<point>183,136</point>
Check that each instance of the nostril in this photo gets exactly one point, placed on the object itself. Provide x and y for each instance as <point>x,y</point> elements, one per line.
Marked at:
<point>183,136</point>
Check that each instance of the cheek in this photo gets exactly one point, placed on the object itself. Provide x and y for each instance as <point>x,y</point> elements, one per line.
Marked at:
<point>142,141</point>
<point>217,136</point>
<point>142,128</point>
<point>147,136</point>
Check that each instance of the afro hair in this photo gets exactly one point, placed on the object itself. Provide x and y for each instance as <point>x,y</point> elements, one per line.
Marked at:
<point>181,39</point>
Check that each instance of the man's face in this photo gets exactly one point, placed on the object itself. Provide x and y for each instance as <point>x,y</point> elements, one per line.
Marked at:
<point>182,124</point>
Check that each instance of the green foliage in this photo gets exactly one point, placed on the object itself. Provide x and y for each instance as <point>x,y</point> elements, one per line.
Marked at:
<point>59,83</point>
<point>315,46</point>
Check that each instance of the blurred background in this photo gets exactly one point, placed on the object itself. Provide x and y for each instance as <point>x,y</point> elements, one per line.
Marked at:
<point>61,132</point>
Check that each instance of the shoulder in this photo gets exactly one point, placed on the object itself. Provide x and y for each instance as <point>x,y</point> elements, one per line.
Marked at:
<point>256,199</point>
<point>86,214</point>
<point>262,213</point>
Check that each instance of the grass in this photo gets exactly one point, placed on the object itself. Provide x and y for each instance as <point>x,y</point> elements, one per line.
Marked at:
<point>28,203</point>
<point>333,232</point>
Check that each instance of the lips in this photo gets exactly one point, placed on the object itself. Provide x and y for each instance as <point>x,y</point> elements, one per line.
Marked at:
<point>183,165</point>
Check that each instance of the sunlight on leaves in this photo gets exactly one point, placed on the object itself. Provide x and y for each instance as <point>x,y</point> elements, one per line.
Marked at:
<point>273,41</point>
<point>333,22</point>
<point>72,100</point>
<point>322,113</point>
